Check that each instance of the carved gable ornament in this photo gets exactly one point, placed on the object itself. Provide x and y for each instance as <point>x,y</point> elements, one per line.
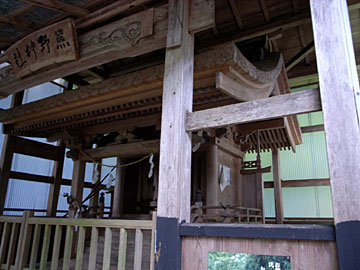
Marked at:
<point>51,45</point>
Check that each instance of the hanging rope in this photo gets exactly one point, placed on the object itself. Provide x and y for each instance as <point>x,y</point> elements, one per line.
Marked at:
<point>113,166</point>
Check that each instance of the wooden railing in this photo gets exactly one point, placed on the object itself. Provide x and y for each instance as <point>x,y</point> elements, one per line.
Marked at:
<point>29,242</point>
<point>225,214</point>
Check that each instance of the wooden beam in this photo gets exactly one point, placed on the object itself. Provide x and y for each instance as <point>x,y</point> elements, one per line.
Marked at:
<point>7,153</point>
<point>54,190</point>
<point>236,13</point>
<point>337,70</point>
<point>261,125</point>
<point>45,179</point>
<point>202,15</point>
<point>60,7</point>
<point>279,206</point>
<point>126,150</point>
<point>300,56</point>
<point>257,110</point>
<point>309,129</point>
<point>94,48</point>
<point>108,12</point>
<point>265,11</point>
<point>300,183</point>
<point>37,149</point>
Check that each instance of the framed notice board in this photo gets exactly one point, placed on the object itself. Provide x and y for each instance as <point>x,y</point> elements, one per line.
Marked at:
<point>244,261</point>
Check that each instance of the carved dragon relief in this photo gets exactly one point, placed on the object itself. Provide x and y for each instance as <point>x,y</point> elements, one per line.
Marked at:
<point>131,32</point>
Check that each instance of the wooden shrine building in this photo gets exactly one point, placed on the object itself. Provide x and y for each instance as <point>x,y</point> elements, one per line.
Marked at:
<point>178,92</point>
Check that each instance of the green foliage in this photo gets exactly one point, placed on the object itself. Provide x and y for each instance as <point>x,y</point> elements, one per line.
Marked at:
<point>243,261</point>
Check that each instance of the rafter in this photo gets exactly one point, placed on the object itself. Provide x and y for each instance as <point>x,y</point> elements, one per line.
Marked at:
<point>236,13</point>
<point>300,56</point>
<point>13,21</point>
<point>60,7</point>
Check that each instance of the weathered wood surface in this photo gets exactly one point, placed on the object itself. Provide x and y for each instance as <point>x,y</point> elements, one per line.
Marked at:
<point>51,45</point>
<point>257,110</point>
<point>125,150</point>
<point>304,254</point>
<point>276,168</point>
<point>175,142</point>
<point>338,78</point>
<point>137,34</point>
<point>121,93</point>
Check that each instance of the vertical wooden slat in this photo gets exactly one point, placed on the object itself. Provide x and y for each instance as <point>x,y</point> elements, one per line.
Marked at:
<point>12,244</point>
<point>122,249</point>
<point>107,249</point>
<point>152,248</point>
<point>93,248</point>
<point>56,249</point>
<point>80,249</point>
<point>35,246</point>
<point>45,247</point>
<point>24,240</point>
<point>68,247</point>
<point>138,249</point>
<point>4,241</point>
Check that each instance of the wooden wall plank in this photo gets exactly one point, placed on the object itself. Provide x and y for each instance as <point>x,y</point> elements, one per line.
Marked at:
<point>37,149</point>
<point>303,253</point>
<point>34,247</point>
<point>257,110</point>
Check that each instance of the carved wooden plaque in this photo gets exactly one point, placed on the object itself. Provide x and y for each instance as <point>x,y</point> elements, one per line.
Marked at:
<point>54,44</point>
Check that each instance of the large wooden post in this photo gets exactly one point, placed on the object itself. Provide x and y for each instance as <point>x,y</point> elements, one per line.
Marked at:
<point>94,200</point>
<point>77,184</point>
<point>339,87</point>
<point>175,144</point>
<point>279,208</point>
<point>118,189</point>
<point>7,156</point>
<point>54,190</point>
<point>212,176</point>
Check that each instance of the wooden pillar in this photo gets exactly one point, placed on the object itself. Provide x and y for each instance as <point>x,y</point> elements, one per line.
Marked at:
<point>279,208</point>
<point>94,200</point>
<point>212,176</point>
<point>118,189</point>
<point>339,89</point>
<point>54,190</point>
<point>77,183</point>
<point>7,155</point>
<point>175,143</point>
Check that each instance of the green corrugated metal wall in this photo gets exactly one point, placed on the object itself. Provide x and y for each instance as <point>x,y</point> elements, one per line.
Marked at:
<point>309,161</point>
